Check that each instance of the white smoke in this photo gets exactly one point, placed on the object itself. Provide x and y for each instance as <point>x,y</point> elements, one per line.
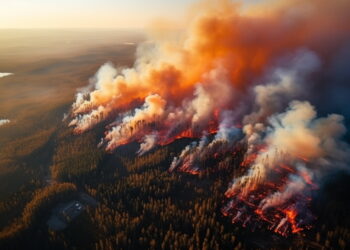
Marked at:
<point>295,137</point>
<point>83,122</point>
<point>295,185</point>
<point>196,153</point>
<point>286,84</point>
<point>151,112</point>
<point>149,141</point>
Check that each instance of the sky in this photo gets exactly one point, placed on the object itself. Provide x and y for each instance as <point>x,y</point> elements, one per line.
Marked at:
<point>90,13</point>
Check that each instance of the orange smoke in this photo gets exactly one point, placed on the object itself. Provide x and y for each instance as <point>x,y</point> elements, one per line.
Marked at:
<point>231,67</point>
<point>220,37</point>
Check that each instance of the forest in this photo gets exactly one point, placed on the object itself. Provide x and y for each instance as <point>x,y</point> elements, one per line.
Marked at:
<point>141,205</point>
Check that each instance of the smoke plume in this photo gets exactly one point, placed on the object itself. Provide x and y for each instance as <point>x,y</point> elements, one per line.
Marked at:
<point>235,80</point>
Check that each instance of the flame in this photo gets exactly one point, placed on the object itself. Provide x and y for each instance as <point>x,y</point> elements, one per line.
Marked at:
<point>233,78</point>
<point>291,215</point>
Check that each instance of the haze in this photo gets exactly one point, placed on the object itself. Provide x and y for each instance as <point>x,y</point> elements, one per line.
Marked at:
<point>90,13</point>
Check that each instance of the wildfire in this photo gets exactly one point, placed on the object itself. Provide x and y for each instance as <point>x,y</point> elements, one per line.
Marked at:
<point>291,216</point>
<point>247,211</point>
<point>234,79</point>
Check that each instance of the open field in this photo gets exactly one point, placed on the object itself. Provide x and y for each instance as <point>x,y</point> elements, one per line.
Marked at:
<point>48,67</point>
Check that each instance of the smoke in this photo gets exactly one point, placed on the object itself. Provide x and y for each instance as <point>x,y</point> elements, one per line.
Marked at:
<point>195,154</point>
<point>299,149</point>
<point>149,141</point>
<point>285,84</point>
<point>4,121</point>
<point>238,80</point>
<point>131,126</point>
<point>296,137</point>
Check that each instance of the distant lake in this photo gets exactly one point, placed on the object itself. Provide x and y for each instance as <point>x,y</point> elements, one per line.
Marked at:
<point>5,74</point>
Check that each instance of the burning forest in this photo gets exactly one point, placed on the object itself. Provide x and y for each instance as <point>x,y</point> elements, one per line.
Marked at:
<point>267,82</point>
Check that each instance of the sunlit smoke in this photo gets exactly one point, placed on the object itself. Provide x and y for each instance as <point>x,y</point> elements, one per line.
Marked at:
<point>297,153</point>
<point>149,142</point>
<point>237,82</point>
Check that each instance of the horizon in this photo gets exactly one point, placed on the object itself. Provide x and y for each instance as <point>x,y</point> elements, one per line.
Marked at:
<point>93,14</point>
<point>195,124</point>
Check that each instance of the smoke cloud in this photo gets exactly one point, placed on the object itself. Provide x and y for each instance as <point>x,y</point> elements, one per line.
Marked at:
<point>298,151</point>
<point>238,80</point>
<point>149,141</point>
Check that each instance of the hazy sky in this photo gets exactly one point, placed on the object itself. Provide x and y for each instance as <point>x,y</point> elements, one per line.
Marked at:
<point>89,13</point>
